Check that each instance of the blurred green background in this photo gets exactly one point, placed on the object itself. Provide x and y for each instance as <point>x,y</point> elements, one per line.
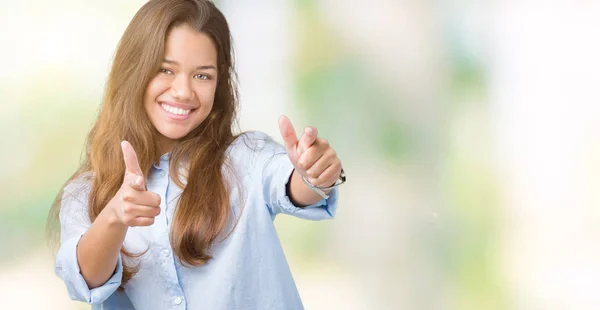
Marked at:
<point>469,131</point>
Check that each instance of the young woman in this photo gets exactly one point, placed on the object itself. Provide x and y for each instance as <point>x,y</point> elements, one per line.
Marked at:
<point>170,209</point>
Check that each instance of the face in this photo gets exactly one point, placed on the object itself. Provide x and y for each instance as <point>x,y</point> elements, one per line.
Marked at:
<point>181,95</point>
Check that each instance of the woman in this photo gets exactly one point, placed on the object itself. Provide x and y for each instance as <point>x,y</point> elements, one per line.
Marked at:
<point>170,209</point>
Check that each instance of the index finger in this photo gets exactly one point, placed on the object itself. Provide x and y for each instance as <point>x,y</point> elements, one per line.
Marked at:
<point>288,134</point>
<point>131,161</point>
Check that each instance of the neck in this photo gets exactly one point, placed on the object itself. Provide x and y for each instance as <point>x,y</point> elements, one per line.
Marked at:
<point>165,145</point>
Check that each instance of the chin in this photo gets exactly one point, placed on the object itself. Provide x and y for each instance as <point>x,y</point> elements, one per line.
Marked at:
<point>173,135</point>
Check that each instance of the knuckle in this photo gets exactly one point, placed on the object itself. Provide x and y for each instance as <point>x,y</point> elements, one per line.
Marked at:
<point>302,164</point>
<point>153,201</point>
<point>127,208</point>
<point>324,176</point>
<point>127,196</point>
<point>129,181</point>
<point>128,220</point>
<point>332,164</point>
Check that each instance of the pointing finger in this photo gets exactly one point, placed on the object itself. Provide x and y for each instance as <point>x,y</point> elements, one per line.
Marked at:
<point>133,173</point>
<point>131,161</point>
<point>289,137</point>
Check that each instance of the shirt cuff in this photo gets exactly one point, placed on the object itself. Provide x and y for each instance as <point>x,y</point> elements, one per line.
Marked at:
<point>321,210</point>
<point>67,268</point>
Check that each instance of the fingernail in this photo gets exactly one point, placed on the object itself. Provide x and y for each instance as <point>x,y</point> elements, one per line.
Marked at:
<point>309,131</point>
<point>138,181</point>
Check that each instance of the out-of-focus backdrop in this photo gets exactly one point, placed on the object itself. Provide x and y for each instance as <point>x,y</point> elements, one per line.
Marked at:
<point>469,130</point>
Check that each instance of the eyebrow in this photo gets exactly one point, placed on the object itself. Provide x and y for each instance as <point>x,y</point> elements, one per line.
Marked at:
<point>205,67</point>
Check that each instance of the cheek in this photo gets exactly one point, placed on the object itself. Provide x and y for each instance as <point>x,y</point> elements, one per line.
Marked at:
<point>155,88</point>
<point>206,96</point>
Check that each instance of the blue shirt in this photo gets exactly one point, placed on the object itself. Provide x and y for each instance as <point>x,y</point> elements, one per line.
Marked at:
<point>248,269</point>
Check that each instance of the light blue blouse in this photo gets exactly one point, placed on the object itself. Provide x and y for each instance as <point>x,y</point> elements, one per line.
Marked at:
<point>248,269</point>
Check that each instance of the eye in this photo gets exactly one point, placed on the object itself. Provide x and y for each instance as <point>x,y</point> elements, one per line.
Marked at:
<point>165,71</point>
<point>202,76</point>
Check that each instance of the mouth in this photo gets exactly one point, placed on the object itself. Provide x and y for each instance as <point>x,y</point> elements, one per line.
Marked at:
<point>175,112</point>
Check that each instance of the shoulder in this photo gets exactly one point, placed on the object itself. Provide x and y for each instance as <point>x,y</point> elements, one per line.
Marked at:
<point>253,142</point>
<point>252,139</point>
<point>74,201</point>
<point>79,187</point>
<point>253,149</point>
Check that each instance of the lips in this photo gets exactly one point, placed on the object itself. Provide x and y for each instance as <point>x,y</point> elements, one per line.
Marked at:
<point>176,112</point>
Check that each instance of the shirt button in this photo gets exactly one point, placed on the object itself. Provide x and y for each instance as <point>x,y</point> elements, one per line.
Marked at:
<point>166,253</point>
<point>177,300</point>
<point>162,173</point>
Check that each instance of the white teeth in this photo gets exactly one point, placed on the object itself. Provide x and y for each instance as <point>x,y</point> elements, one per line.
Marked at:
<point>175,110</point>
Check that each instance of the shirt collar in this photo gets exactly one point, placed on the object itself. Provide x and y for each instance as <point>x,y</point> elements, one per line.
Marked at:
<point>164,161</point>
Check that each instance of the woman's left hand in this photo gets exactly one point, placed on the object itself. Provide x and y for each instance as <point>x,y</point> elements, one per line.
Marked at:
<point>312,156</point>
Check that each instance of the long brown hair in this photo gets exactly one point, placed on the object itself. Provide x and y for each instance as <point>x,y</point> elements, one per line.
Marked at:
<point>203,209</point>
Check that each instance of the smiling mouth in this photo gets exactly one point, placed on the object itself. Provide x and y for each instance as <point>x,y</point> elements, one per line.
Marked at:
<point>174,110</point>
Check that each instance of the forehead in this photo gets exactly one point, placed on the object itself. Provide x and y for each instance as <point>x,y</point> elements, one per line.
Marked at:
<point>190,47</point>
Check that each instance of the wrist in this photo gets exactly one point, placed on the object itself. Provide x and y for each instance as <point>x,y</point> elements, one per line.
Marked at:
<point>324,191</point>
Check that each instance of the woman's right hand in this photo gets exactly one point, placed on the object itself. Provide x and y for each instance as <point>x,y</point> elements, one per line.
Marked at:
<point>133,204</point>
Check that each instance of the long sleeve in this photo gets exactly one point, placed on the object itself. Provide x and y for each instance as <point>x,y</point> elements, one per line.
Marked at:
<point>74,222</point>
<point>275,168</point>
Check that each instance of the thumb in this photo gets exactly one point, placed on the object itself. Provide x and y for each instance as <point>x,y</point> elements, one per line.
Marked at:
<point>307,140</point>
<point>289,138</point>
<point>132,165</point>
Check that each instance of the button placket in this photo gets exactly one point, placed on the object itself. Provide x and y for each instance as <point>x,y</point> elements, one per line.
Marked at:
<point>167,259</point>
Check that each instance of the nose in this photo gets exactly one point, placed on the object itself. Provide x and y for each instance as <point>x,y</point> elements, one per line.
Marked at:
<point>181,89</point>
